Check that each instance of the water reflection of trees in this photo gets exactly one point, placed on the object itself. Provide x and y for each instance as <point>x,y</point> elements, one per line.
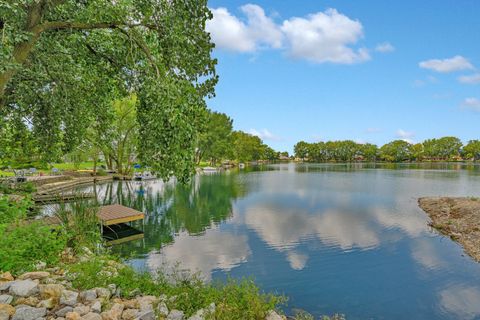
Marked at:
<point>354,166</point>
<point>171,208</point>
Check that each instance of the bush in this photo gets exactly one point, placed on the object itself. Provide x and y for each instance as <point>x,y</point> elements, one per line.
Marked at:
<point>17,188</point>
<point>13,209</point>
<point>24,244</point>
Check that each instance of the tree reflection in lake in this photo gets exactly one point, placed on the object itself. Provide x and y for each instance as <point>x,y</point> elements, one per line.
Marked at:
<point>171,208</point>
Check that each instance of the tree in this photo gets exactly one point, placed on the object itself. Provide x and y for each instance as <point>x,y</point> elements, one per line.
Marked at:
<point>247,147</point>
<point>442,149</point>
<point>368,151</point>
<point>301,150</point>
<point>118,141</point>
<point>396,151</point>
<point>216,138</point>
<point>64,61</point>
<point>269,153</point>
<point>472,150</point>
<point>417,152</point>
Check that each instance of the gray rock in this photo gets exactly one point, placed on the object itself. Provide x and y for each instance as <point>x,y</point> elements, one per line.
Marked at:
<point>130,314</point>
<point>147,315</point>
<point>69,298</point>
<point>24,288</point>
<point>63,312</point>
<point>4,286</point>
<point>88,295</point>
<point>91,316</point>
<point>34,275</point>
<point>29,313</point>
<point>96,307</point>
<point>112,287</point>
<point>199,315</point>
<point>272,315</point>
<point>81,310</point>
<point>47,303</point>
<point>4,315</point>
<point>103,293</point>
<point>5,298</point>
<point>175,315</point>
<point>211,308</point>
<point>162,309</point>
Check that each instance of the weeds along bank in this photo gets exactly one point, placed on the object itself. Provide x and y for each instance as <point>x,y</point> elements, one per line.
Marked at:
<point>59,272</point>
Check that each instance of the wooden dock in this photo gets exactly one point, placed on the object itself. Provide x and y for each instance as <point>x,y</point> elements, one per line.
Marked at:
<point>116,214</point>
<point>114,219</point>
<point>62,197</point>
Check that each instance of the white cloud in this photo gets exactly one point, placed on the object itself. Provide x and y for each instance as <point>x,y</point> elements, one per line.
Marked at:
<point>384,47</point>
<point>230,33</point>
<point>321,37</point>
<point>213,250</point>
<point>471,79</point>
<point>261,27</point>
<point>461,301</point>
<point>325,37</point>
<point>405,135</point>
<point>428,80</point>
<point>456,63</point>
<point>264,134</point>
<point>472,104</point>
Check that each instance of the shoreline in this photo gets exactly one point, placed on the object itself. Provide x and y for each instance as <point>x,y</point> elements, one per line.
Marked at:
<point>457,218</point>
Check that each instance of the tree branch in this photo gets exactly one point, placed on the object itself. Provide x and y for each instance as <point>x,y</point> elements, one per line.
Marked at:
<point>62,25</point>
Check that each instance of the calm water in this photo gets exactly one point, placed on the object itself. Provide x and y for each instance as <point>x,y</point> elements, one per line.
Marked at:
<point>334,238</point>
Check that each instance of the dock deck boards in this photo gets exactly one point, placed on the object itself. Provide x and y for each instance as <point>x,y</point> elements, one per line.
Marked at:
<point>116,214</point>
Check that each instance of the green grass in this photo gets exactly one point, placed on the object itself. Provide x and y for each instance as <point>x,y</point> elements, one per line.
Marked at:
<point>236,299</point>
<point>80,223</point>
<point>25,244</point>
<point>66,166</point>
<point>6,174</point>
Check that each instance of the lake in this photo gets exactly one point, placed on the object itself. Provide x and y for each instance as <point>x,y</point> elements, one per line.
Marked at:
<point>334,238</point>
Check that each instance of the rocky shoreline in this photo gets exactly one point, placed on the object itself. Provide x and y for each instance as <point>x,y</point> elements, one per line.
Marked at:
<point>48,294</point>
<point>458,218</point>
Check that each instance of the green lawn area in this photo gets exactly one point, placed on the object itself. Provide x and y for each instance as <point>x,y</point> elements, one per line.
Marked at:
<point>6,174</point>
<point>65,166</point>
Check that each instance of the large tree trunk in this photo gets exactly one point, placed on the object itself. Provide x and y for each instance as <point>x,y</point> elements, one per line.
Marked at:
<point>23,49</point>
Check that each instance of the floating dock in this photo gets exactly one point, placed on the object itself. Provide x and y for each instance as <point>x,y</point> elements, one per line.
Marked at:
<point>116,214</point>
<point>114,219</point>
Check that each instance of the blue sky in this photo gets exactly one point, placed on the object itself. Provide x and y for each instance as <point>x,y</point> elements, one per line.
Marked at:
<point>370,71</point>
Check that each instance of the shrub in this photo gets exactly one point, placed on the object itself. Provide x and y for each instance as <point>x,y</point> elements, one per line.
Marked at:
<point>7,187</point>
<point>13,209</point>
<point>25,244</point>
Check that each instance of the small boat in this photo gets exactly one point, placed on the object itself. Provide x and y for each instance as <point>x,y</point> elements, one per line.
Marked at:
<point>141,176</point>
<point>210,170</point>
<point>241,165</point>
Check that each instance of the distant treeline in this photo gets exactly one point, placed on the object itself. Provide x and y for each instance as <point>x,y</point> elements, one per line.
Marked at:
<point>218,141</point>
<point>442,149</point>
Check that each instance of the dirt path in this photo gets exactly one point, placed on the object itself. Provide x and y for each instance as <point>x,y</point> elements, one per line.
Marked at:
<point>458,218</point>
